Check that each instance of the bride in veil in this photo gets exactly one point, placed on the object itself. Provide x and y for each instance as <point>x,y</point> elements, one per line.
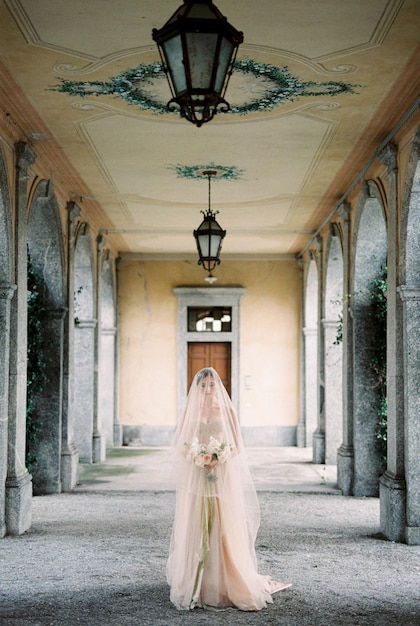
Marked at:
<point>212,560</point>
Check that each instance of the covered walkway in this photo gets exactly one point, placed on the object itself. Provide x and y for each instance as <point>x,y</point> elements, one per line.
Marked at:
<point>97,556</point>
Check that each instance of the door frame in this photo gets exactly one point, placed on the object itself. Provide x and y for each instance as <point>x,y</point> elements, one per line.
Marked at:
<point>203,297</point>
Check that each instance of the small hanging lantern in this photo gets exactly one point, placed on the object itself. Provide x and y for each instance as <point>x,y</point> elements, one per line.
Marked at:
<point>209,236</point>
<point>198,47</point>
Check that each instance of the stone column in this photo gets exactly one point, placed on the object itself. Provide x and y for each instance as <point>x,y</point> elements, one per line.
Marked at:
<point>118,427</point>
<point>410,297</point>
<point>345,455</point>
<point>310,338</point>
<point>18,482</point>
<point>69,453</point>
<point>301,427</point>
<point>7,291</point>
<point>83,392</point>
<point>108,420</point>
<point>392,483</point>
<point>99,440</point>
<point>318,438</point>
<point>333,391</point>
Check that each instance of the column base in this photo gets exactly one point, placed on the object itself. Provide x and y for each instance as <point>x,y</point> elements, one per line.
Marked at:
<point>412,535</point>
<point>318,447</point>
<point>345,469</point>
<point>69,465</point>
<point>98,448</point>
<point>118,435</point>
<point>392,494</point>
<point>301,435</point>
<point>18,504</point>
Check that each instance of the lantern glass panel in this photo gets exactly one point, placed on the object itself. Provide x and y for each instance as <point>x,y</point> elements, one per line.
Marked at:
<point>226,51</point>
<point>201,52</point>
<point>214,244</point>
<point>172,49</point>
<point>204,244</point>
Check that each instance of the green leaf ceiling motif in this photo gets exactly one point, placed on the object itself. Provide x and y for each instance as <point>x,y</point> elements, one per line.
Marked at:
<point>198,172</point>
<point>277,85</point>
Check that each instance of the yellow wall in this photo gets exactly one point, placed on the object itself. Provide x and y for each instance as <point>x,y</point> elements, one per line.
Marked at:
<point>269,339</point>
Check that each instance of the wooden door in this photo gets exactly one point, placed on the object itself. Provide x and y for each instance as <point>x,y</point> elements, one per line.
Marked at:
<point>215,354</point>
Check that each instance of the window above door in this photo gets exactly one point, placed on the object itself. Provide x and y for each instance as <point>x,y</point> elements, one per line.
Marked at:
<point>210,319</point>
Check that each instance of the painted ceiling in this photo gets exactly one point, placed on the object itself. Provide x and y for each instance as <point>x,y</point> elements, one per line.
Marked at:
<point>317,86</point>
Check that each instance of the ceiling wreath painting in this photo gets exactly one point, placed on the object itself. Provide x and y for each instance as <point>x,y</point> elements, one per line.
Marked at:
<point>267,86</point>
<point>200,172</point>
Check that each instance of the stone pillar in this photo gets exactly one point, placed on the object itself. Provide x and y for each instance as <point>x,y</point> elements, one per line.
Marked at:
<point>18,482</point>
<point>410,297</point>
<point>318,438</point>
<point>310,351</point>
<point>69,453</point>
<point>392,484</point>
<point>99,440</point>
<point>118,428</point>
<point>84,338</point>
<point>301,427</point>
<point>109,423</point>
<point>345,455</point>
<point>333,391</point>
<point>7,291</point>
<point>310,338</point>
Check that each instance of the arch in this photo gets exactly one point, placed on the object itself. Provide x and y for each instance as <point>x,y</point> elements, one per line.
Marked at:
<point>333,348</point>
<point>410,296</point>
<point>107,354</point>
<point>310,340</point>
<point>369,257</point>
<point>46,258</point>
<point>84,344</point>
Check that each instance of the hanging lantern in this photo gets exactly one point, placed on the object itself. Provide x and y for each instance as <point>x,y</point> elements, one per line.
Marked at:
<point>198,47</point>
<point>209,236</point>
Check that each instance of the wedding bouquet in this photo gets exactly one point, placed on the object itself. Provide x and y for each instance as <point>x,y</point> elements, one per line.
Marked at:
<point>208,455</point>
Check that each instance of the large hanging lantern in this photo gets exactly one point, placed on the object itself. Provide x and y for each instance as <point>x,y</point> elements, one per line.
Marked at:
<point>198,48</point>
<point>209,237</point>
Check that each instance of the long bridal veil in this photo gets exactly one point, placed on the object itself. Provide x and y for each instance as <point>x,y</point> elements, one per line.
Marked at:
<point>212,558</point>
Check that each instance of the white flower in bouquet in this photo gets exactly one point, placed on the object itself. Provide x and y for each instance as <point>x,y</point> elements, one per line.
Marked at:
<point>208,455</point>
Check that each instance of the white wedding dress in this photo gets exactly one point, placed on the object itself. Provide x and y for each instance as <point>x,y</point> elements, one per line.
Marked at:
<point>212,560</point>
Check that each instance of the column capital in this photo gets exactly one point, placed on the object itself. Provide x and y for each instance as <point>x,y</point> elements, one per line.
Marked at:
<point>100,242</point>
<point>7,290</point>
<point>388,156</point>
<point>328,323</point>
<point>343,211</point>
<point>73,211</point>
<point>81,323</point>
<point>25,156</point>
<point>408,293</point>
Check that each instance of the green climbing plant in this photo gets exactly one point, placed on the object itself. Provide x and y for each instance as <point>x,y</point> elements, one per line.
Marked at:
<point>378,360</point>
<point>36,364</point>
<point>378,310</point>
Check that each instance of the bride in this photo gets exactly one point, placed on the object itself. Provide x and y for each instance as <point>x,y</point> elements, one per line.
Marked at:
<point>212,559</point>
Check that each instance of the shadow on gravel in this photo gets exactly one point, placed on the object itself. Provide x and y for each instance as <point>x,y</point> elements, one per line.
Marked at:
<point>150,605</point>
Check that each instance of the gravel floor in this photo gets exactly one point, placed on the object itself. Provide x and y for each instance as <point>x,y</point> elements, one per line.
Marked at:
<point>98,558</point>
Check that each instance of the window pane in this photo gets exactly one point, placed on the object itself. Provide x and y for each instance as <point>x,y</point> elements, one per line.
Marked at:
<point>214,320</point>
